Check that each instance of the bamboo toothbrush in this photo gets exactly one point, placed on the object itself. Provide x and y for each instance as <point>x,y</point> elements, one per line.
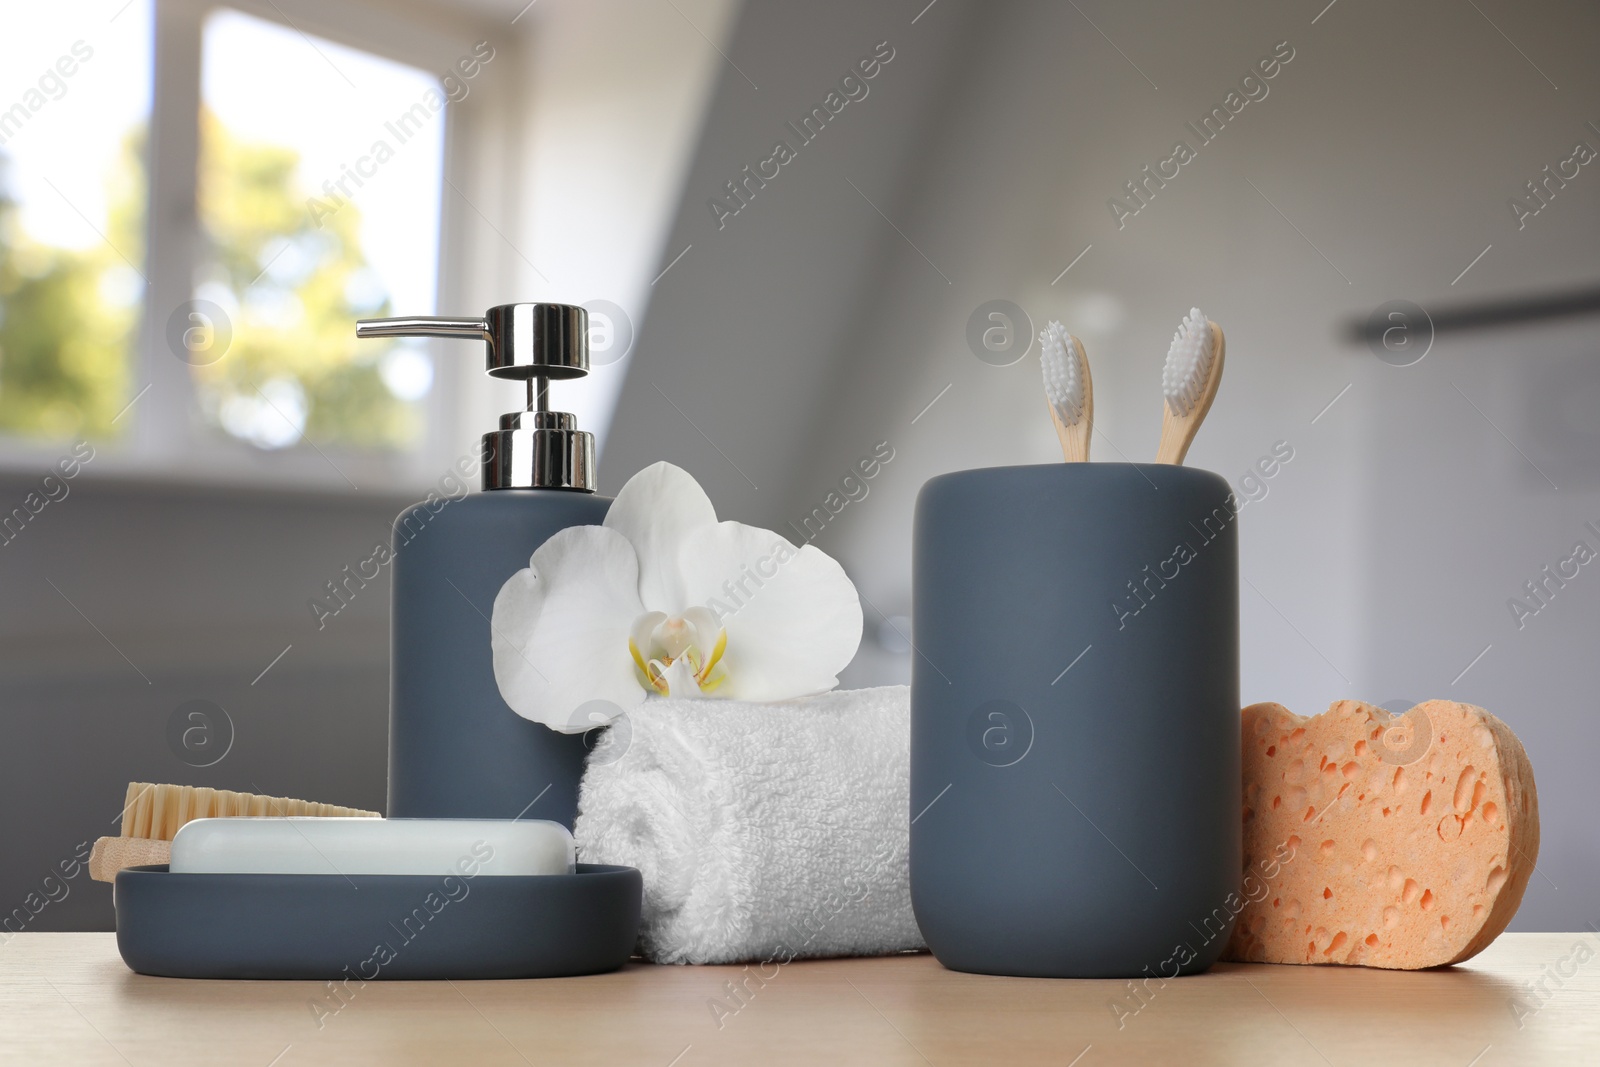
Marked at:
<point>1068,389</point>
<point>1189,380</point>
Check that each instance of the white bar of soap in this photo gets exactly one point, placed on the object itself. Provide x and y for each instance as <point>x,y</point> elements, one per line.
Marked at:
<point>324,845</point>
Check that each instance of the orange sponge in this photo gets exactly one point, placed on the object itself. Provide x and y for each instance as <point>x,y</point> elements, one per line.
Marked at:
<point>1401,842</point>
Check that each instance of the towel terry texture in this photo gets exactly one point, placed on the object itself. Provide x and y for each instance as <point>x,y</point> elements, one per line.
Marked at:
<point>763,831</point>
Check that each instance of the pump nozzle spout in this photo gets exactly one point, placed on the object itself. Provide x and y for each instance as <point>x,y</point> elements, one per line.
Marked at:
<point>539,448</point>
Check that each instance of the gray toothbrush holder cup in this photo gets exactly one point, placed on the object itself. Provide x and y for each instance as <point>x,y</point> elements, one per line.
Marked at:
<point>1075,792</point>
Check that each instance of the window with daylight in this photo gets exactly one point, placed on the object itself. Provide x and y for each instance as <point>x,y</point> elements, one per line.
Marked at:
<point>196,203</point>
<point>74,113</point>
<point>304,231</point>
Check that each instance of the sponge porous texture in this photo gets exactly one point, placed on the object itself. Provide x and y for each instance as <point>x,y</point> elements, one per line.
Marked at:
<point>1410,838</point>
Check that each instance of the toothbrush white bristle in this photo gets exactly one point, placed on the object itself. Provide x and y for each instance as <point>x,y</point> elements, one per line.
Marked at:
<point>1063,381</point>
<point>1188,363</point>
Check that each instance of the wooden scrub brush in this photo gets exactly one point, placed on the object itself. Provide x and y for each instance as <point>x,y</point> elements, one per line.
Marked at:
<point>153,813</point>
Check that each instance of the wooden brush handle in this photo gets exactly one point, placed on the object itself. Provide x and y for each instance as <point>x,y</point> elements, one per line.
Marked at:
<point>112,854</point>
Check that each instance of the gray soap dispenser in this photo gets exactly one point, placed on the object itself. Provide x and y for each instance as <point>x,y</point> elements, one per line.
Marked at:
<point>456,750</point>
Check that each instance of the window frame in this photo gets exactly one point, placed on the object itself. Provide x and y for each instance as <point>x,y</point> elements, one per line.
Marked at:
<point>166,440</point>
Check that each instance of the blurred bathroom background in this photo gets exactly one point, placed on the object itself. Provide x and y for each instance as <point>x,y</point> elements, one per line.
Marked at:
<point>197,198</point>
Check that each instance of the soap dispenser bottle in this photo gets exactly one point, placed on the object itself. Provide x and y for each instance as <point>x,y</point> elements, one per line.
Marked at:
<point>456,749</point>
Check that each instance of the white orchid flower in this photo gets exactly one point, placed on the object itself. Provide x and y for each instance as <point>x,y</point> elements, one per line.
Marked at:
<point>665,600</point>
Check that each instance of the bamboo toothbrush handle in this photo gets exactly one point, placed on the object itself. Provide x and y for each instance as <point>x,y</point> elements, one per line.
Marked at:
<point>1075,438</point>
<point>1177,431</point>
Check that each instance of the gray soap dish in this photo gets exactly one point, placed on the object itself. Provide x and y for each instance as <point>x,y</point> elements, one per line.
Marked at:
<point>369,926</point>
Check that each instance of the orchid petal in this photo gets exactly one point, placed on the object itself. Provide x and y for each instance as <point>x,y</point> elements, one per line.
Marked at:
<point>792,616</point>
<point>657,510</point>
<point>709,676</point>
<point>673,637</point>
<point>560,629</point>
<point>643,627</point>
<point>680,680</point>
<point>706,628</point>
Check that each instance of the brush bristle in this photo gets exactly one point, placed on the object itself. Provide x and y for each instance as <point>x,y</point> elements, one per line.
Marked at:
<point>1063,383</point>
<point>1188,364</point>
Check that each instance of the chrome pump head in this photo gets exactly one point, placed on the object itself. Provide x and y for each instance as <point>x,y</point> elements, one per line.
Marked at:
<point>537,343</point>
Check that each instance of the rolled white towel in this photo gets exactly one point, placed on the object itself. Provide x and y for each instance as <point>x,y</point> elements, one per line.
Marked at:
<point>763,831</point>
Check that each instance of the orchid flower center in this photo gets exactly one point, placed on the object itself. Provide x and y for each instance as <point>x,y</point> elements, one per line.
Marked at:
<point>678,655</point>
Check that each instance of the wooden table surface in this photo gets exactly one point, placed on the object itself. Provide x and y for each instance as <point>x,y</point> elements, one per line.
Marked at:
<point>67,998</point>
